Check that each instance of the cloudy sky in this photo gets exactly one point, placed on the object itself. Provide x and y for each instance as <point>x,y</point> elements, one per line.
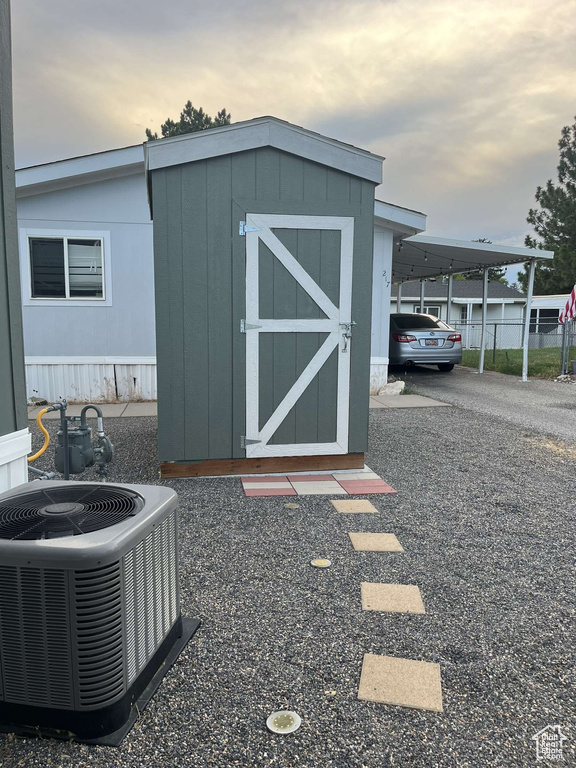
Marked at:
<point>465,98</point>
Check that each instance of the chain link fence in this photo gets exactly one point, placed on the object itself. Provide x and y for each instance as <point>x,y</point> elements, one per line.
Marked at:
<point>503,343</point>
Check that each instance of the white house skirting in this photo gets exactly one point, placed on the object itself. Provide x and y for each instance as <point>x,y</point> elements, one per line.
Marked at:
<point>378,374</point>
<point>109,380</point>
<point>14,449</point>
<point>89,380</point>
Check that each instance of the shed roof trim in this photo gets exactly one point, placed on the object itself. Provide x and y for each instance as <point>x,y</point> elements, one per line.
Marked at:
<point>264,132</point>
<point>402,221</point>
<point>80,170</point>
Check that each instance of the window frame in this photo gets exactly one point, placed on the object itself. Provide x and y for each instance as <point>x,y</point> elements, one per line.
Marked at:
<point>427,308</point>
<point>26,235</point>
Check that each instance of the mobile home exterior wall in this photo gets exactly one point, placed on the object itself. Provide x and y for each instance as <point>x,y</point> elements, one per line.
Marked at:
<point>93,350</point>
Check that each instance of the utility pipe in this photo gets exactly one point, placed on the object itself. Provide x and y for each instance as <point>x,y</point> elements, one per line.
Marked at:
<point>42,429</point>
<point>64,428</point>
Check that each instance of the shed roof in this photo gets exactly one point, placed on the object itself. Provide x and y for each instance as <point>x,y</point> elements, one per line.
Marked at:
<point>461,289</point>
<point>264,132</point>
<point>83,169</point>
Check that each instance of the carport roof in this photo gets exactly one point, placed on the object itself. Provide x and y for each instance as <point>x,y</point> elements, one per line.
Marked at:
<point>461,289</point>
<point>422,256</point>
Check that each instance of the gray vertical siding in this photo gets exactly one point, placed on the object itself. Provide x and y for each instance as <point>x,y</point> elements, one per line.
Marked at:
<point>12,381</point>
<point>200,299</point>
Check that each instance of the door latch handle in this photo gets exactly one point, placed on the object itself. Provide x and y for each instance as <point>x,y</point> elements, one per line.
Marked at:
<point>347,333</point>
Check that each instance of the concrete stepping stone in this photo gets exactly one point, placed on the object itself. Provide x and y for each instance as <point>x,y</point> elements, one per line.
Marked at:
<point>401,682</point>
<point>366,475</point>
<point>353,506</point>
<point>375,542</point>
<point>392,598</point>
<point>267,486</point>
<point>366,486</point>
<point>326,488</point>
<point>316,485</point>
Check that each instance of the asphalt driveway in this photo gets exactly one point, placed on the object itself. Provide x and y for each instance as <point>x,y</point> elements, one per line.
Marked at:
<point>546,407</point>
<point>485,513</point>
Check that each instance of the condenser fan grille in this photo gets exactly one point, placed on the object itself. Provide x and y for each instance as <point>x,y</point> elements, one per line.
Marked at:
<point>68,511</point>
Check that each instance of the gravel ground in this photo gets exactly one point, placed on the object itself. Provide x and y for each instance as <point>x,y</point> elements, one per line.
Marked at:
<point>547,407</point>
<point>485,513</point>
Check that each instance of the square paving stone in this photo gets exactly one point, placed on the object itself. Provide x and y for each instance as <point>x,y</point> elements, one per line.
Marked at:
<point>265,485</point>
<point>353,506</point>
<point>366,486</point>
<point>403,682</point>
<point>356,476</point>
<point>310,478</point>
<point>268,479</point>
<point>251,491</point>
<point>325,487</point>
<point>375,542</point>
<point>393,598</point>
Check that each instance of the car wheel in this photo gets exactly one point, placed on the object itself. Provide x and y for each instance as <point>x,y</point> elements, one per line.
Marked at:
<point>445,367</point>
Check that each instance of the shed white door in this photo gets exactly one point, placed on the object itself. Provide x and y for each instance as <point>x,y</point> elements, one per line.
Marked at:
<point>298,334</point>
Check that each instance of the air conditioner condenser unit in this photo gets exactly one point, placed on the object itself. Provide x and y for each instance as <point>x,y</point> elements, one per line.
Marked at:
<point>90,615</point>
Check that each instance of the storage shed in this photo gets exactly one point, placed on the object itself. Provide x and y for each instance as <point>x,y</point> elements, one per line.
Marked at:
<point>263,249</point>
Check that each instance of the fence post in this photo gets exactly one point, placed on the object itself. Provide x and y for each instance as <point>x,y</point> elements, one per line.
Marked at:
<point>570,342</point>
<point>565,336</point>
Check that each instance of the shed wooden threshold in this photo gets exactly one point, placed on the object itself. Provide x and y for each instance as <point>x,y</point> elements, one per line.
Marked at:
<point>268,464</point>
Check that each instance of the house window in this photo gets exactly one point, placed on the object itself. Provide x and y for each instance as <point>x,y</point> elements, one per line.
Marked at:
<point>428,310</point>
<point>464,313</point>
<point>66,268</point>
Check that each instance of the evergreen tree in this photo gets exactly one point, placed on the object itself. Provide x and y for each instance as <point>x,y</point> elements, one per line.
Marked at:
<point>554,223</point>
<point>191,120</point>
<point>497,274</point>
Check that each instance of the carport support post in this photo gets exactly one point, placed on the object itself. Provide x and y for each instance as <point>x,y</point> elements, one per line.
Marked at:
<point>527,319</point>
<point>449,299</point>
<point>422,289</point>
<point>484,311</point>
<point>399,298</point>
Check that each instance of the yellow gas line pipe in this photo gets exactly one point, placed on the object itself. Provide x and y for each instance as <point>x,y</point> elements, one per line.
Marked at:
<point>43,429</point>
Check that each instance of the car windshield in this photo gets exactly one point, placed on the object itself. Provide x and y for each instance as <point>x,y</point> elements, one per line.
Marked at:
<point>417,322</point>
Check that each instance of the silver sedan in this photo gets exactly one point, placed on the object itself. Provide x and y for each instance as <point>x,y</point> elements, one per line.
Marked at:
<point>424,339</point>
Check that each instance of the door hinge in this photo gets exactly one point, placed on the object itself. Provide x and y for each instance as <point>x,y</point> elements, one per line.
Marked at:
<point>243,228</point>
<point>246,441</point>
<point>244,326</point>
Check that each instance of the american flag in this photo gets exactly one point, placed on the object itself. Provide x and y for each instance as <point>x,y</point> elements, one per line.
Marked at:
<point>569,311</point>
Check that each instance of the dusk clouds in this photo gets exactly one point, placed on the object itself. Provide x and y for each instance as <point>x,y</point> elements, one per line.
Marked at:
<point>465,99</point>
